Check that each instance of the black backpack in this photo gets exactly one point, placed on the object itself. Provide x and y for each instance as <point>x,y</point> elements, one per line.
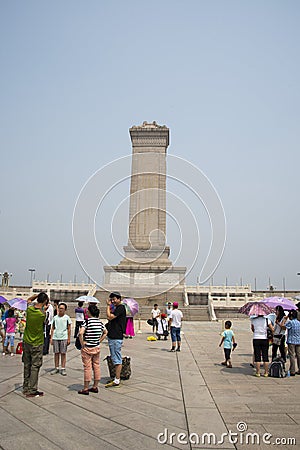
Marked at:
<point>277,369</point>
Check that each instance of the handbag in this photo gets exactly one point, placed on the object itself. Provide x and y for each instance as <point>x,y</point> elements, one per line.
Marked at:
<point>269,332</point>
<point>126,367</point>
<point>77,340</point>
<point>165,331</point>
<point>78,343</point>
<point>150,322</point>
<point>277,339</point>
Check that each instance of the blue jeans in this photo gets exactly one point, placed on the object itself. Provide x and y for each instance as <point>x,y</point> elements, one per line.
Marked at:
<point>9,339</point>
<point>175,334</point>
<point>115,346</point>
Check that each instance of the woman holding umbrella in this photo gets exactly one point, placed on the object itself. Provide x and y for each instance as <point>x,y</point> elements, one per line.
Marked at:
<point>259,327</point>
<point>279,334</point>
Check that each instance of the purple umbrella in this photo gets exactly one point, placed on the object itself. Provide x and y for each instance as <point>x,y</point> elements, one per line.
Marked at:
<point>131,305</point>
<point>276,301</point>
<point>255,309</point>
<point>2,299</point>
<point>18,303</point>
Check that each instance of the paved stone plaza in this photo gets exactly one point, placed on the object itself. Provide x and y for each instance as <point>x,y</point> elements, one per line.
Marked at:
<point>187,392</point>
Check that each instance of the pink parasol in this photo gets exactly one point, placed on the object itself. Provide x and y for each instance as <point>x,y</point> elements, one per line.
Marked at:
<point>256,309</point>
<point>131,305</point>
<point>276,301</point>
<point>18,303</point>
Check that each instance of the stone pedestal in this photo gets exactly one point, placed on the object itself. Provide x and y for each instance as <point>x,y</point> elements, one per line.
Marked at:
<point>146,268</point>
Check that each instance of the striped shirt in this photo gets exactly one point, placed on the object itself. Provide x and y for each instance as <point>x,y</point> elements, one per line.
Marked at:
<point>93,331</point>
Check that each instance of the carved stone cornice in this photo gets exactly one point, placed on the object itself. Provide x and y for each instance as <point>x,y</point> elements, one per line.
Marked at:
<point>149,135</point>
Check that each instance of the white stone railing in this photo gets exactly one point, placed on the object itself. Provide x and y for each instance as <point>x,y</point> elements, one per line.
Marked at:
<point>45,285</point>
<point>220,289</point>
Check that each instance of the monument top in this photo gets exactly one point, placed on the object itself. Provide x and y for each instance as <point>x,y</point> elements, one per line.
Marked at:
<point>149,126</point>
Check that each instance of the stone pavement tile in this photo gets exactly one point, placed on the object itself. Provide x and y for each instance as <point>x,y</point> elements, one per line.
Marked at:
<point>232,407</point>
<point>193,378</point>
<point>292,398</point>
<point>285,430</point>
<point>8,386</point>
<point>134,440</point>
<point>165,382</point>
<point>63,434</point>
<point>155,399</point>
<point>147,428</point>
<point>19,406</point>
<point>259,418</point>
<point>196,398</point>
<point>90,421</point>
<point>28,439</point>
<point>266,407</point>
<point>295,417</point>
<point>202,421</point>
<point>169,416</point>
<point>251,438</point>
<point>11,425</point>
<point>166,392</point>
<point>224,396</point>
<point>189,365</point>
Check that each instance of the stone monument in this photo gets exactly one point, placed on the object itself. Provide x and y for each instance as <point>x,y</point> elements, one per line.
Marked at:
<point>146,269</point>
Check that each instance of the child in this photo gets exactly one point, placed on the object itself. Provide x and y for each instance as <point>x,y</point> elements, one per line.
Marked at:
<point>60,338</point>
<point>155,313</point>
<point>11,322</point>
<point>162,327</point>
<point>79,318</point>
<point>229,342</point>
<point>22,325</point>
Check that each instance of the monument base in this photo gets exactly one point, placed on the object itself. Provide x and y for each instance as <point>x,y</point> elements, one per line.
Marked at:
<point>141,281</point>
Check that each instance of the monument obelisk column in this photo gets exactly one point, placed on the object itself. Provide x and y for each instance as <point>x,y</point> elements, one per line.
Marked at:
<point>146,269</point>
<point>147,211</point>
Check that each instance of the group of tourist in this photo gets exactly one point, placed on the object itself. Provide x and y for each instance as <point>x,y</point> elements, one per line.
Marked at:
<point>12,321</point>
<point>48,324</point>
<point>171,321</point>
<point>91,332</point>
<point>285,330</point>
<point>285,337</point>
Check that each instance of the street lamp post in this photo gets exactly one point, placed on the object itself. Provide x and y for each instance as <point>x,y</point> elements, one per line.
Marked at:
<point>32,271</point>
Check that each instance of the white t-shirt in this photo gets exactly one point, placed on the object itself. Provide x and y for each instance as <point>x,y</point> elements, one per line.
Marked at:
<point>155,313</point>
<point>176,316</point>
<point>60,325</point>
<point>168,311</point>
<point>260,327</point>
<point>162,325</point>
<point>50,314</point>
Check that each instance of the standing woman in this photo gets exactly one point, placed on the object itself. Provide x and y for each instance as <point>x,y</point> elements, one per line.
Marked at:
<point>91,334</point>
<point>259,326</point>
<point>293,341</point>
<point>279,334</point>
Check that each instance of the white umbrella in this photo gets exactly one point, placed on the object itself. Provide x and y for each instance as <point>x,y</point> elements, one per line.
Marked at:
<point>87,299</point>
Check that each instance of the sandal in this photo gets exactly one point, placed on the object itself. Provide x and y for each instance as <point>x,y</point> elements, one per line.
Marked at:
<point>94,390</point>
<point>83,392</point>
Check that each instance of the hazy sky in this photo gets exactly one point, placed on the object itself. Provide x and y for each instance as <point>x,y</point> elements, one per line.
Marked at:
<point>222,75</point>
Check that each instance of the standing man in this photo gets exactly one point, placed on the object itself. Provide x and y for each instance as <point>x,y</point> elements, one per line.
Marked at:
<point>155,313</point>
<point>60,338</point>
<point>169,310</point>
<point>33,342</point>
<point>175,326</point>
<point>116,329</point>
<point>47,329</point>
